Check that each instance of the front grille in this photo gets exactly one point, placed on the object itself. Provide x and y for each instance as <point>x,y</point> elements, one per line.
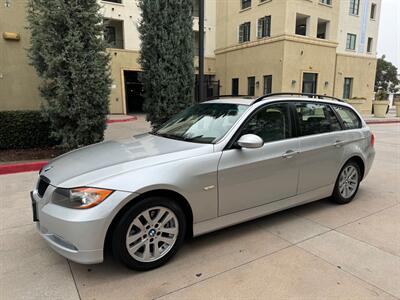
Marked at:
<point>42,185</point>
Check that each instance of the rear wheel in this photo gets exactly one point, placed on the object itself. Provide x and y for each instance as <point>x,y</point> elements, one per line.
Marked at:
<point>347,183</point>
<point>149,233</point>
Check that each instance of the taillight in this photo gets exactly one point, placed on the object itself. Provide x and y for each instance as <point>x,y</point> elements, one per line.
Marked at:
<point>372,141</point>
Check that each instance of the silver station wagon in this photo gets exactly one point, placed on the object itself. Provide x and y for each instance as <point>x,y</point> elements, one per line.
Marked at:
<point>213,165</point>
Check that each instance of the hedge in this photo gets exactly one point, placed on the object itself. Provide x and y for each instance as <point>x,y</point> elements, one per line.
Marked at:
<point>24,129</point>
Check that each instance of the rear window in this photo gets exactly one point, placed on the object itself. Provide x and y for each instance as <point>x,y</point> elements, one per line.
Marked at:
<point>349,118</point>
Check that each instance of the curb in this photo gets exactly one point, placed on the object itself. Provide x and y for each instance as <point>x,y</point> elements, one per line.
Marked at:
<point>383,121</point>
<point>21,167</point>
<point>130,119</point>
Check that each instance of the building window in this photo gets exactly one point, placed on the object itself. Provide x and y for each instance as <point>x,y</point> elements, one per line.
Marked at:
<point>302,24</point>
<point>373,9</point>
<point>354,7</point>
<point>347,87</point>
<point>267,84</point>
<point>113,33</point>
<point>245,4</point>
<point>235,86</point>
<point>322,29</point>
<point>327,2</point>
<point>310,81</point>
<point>369,45</point>
<point>251,86</point>
<point>351,41</point>
<point>244,32</point>
<point>264,27</point>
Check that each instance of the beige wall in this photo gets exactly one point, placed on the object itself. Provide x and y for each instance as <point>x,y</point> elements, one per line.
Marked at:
<point>362,69</point>
<point>304,55</point>
<point>355,25</point>
<point>18,80</point>
<point>315,10</point>
<point>252,60</point>
<point>230,16</point>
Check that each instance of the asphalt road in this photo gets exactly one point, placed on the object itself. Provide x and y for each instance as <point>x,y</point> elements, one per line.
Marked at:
<point>319,250</point>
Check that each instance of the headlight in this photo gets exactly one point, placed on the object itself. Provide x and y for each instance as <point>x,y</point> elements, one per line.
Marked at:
<point>82,197</point>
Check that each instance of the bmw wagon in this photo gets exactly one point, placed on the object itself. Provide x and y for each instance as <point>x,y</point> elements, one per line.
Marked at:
<point>215,164</point>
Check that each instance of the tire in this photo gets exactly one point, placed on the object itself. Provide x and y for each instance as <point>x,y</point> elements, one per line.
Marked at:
<point>153,230</point>
<point>346,189</point>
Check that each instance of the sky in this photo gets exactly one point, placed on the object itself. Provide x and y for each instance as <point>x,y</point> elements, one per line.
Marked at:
<point>389,32</point>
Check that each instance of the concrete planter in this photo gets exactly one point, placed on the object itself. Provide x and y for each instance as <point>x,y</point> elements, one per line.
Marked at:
<point>380,108</point>
<point>397,104</point>
<point>357,103</point>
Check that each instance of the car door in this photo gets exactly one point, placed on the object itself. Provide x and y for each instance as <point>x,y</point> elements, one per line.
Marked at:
<point>321,141</point>
<point>252,177</point>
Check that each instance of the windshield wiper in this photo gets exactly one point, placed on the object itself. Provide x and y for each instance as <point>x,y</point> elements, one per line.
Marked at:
<point>190,138</point>
<point>168,135</point>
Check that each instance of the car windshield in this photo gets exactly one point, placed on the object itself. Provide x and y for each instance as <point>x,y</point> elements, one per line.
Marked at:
<point>202,123</point>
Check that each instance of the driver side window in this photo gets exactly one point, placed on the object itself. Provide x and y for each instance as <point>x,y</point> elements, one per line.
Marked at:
<point>271,123</point>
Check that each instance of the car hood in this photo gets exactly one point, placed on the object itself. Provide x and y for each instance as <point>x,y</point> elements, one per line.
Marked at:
<point>88,165</point>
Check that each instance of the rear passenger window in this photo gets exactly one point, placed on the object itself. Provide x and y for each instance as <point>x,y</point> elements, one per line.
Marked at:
<point>316,118</point>
<point>349,118</point>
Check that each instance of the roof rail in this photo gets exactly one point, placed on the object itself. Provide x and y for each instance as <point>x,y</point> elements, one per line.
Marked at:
<point>309,95</point>
<point>231,96</point>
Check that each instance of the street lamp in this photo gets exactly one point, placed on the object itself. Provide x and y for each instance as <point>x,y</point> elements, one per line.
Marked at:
<point>201,50</point>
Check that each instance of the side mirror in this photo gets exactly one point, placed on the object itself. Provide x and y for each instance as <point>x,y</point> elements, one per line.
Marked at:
<point>250,141</point>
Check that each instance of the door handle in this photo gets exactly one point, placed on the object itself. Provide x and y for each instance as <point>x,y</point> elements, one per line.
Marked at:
<point>338,143</point>
<point>290,154</point>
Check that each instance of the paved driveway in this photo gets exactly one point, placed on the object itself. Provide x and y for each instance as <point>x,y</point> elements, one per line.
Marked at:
<point>319,250</point>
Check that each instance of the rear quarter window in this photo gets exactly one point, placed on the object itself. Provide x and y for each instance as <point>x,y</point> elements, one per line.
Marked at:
<point>349,118</point>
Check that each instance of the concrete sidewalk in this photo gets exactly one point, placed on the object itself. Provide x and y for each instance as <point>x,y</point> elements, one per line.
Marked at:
<point>316,251</point>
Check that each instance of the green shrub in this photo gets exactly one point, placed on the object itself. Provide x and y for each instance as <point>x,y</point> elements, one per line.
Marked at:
<point>24,129</point>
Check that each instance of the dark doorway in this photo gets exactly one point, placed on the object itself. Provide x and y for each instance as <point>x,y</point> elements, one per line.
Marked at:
<point>133,92</point>
<point>310,83</point>
<point>235,86</point>
<point>211,88</point>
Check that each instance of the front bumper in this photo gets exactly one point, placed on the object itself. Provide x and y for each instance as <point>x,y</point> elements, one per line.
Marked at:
<point>78,235</point>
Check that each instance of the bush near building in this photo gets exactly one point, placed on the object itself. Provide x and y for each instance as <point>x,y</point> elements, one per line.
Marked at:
<point>24,130</point>
<point>69,54</point>
<point>166,57</point>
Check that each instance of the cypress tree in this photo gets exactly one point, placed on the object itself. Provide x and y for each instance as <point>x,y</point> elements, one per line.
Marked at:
<point>68,52</point>
<point>166,31</point>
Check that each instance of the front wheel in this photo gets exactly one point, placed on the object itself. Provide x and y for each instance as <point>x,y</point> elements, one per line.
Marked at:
<point>347,183</point>
<point>149,233</point>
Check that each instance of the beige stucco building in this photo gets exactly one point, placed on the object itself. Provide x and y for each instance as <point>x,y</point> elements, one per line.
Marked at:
<point>317,46</point>
<point>252,47</point>
<point>18,80</point>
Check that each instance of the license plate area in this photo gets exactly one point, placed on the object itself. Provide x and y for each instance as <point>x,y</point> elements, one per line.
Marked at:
<point>34,209</point>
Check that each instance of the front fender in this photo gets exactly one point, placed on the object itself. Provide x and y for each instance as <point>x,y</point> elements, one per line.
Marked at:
<point>194,178</point>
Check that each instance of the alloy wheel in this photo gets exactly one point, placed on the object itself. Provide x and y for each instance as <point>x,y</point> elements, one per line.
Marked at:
<point>348,181</point>
<point>152,234</point>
